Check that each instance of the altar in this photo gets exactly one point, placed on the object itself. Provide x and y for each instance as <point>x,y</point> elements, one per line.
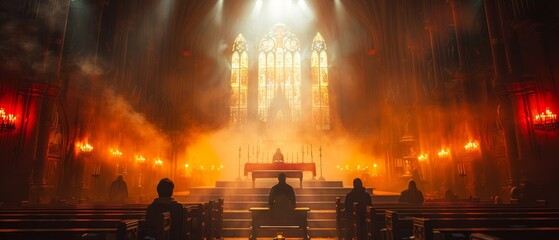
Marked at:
<point>275,173</point>
<point>280,166</point>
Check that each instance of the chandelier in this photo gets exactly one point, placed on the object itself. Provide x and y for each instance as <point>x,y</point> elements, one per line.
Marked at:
<point>444,153</point>
<point>116,153</point>
<point>7,122</point>
<point>471,146</point>
<point>546,121</point>
<point>86,148</point>
<point>140,158</point>
<point>158,162</point>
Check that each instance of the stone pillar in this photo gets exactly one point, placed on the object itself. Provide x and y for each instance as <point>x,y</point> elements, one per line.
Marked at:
<point>434,42</point>
<point>30,98</point>
<point>457,8</point>
<point>505,108</point>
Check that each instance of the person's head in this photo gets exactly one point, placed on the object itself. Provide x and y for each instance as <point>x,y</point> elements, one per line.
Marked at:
<point>165,188</point>
<point>281,177</point>
<point>278,150</point>
<point>357,183</point>
<point>411,184</point>
<point>119,178</point>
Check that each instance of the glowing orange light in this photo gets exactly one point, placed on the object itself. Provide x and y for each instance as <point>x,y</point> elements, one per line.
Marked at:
<point>547,117</point>
<point>116,153</point>
<point>444,153</point>
<point>546,121</point>
<point>140,158</point>
<point>85,148</point>
<point>471,146</point>
<point>158,162</point>
<point>7,121</point>
<point>423,157</point>
<point>186,165</point>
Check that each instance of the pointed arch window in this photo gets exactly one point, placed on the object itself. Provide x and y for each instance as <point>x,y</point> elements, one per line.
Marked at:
<point>279,77</point>
<point>319,72</point>
<point>239,83</point>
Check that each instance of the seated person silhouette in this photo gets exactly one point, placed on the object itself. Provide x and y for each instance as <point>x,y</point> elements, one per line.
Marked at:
<point>363,199</point>
<point>281,200</point>
<point>411,195</point>
<point>165,203</point>
<point>278,156</point>
<point>118,191</point>
<point>449,196</point>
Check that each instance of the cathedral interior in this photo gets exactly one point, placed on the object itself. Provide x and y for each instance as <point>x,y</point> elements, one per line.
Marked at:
<point>456,94</point>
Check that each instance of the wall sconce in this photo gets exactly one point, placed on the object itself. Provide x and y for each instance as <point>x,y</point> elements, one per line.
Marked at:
<point>116,153</point>
<point>444,153</point>
<point>546,121</point>
<point>140,159</point>
<point>423,157</point>
<point>7,121</point>
<point>158,162</point>
<point>471,146</point>
<point>86,148</point>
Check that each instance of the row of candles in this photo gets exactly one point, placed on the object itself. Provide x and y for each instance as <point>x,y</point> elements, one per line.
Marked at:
<point>7,121</point>
<point>545,118</point>
<point>470,147</point>
<point>257,155</point>
<point>87,148</point>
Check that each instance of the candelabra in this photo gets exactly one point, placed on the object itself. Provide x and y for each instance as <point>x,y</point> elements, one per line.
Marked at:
<point>86,148</point>
<point>444,153</point>
<point>546,121</point>
<point>7,121</point>
<point>423,157</point>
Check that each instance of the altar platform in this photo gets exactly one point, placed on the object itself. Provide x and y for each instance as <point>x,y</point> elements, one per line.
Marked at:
<point>239,196</point>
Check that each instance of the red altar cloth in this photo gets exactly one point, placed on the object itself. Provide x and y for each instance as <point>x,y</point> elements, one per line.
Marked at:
<point>249,167</point>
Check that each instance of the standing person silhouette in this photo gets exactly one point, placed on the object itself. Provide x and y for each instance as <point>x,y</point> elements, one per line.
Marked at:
<point>278,156</point>
<point>118,192</point>
<point>165,203</point>
<point>363,199</point>
<point>282,201</point>
<point>412,194</point>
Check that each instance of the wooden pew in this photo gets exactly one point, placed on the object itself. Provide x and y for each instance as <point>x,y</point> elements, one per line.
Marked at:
<point>375,215</point>
<point>341,218</point>
<point>423,228</point>
<point>67,229</point>
<point>161,229</point>
<point>400,223</point>
<point>264,221</point>
<point>194,221</point>
<point>520,233</point>
<point>88,212</point>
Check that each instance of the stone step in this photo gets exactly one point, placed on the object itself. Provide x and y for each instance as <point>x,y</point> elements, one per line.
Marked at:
<point>247,205</point>
<point>220,191</point>
<point>313,233</point>
<point>245,214</point>
<point>259,198</point>
<point>269,184</point>
<point>264,198</point>
<point>245,223</point>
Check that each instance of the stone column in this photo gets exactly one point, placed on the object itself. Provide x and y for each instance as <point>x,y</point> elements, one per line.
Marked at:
<point>30,98</point>
<point>505,111</point>
<point>39,190</point>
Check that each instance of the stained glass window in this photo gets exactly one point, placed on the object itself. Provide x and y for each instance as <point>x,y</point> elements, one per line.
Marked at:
<point>239,83</point>
<point>319,74</point>
<point>279,77</point>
